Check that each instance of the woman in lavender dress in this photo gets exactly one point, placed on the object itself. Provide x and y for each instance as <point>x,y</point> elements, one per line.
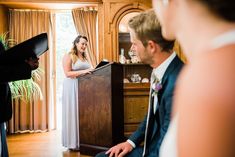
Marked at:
<point>74,64</point>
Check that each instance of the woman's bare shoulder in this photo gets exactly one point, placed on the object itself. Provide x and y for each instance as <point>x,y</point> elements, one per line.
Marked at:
<point>210,76</point>
<point>206,105</point>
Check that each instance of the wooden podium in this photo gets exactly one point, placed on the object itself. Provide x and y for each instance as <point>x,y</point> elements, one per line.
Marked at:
<point>101,109</point>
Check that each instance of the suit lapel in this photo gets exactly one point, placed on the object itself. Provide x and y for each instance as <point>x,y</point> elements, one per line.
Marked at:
<point>172,66</point>
<point>170,69</point>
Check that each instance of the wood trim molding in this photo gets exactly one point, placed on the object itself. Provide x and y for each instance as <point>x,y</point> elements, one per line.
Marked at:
<point>128,8</point>
<point>46,4</point>
<point>136,89</point>
<point>110,13</point>
<point>49,1</point>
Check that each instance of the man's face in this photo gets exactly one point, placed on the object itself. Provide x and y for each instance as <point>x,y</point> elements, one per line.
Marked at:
<point>138,47</point>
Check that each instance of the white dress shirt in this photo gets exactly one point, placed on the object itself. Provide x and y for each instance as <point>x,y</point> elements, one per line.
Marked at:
<point>158,72</point>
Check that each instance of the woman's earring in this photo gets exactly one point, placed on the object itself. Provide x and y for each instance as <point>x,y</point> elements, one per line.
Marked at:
<point>165,2</point>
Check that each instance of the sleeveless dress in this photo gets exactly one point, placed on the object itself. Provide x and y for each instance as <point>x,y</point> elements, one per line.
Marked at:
<point>169,144</point>
<point>70,114</point>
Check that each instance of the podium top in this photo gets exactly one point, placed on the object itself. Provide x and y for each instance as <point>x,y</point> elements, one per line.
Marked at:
<point>102,63</point>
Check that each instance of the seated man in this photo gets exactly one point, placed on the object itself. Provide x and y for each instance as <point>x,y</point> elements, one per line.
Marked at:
<point>152,49</point>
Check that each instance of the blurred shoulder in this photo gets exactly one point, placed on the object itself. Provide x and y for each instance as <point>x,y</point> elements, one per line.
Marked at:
<point>205,102</point>
<point>209,79</point>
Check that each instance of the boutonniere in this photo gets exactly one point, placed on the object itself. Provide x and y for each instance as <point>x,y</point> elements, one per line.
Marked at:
<point>156,86</point>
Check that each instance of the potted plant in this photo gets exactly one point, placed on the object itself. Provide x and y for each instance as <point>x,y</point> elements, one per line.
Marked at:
<point>23,89</point>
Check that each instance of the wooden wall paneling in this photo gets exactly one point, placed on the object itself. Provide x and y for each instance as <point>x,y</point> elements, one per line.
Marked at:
<point>100,52</point>
<point>112,11</point>
<point>50,1</point>
<point>3,19</point>
<point>48,4</point>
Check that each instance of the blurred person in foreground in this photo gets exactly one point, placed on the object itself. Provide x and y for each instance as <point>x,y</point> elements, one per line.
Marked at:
<point>203,122</point>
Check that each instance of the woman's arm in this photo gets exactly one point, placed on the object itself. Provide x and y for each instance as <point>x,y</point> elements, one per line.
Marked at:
<point>67,66</point>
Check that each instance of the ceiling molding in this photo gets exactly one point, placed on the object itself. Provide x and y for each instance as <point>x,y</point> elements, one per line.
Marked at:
<point>50,1</point>
<point>45,4</point>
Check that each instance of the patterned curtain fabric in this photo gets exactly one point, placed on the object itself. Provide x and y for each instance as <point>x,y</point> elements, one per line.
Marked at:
<point>34,115</point>
<point>85,21</point>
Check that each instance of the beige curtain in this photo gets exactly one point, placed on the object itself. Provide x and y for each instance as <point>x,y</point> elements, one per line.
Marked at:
<point>36,114</point>
<point>85,21</point>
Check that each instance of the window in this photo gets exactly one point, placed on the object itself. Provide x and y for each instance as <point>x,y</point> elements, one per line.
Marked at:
<point>65,34</point>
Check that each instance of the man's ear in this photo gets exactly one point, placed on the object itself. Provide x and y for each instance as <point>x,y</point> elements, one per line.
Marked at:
<point>153,47</point>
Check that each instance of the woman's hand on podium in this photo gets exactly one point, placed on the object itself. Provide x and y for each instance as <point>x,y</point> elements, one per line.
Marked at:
<point>87,71</point>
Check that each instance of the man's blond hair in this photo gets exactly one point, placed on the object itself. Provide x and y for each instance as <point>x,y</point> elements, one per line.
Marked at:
<point>147,27</point>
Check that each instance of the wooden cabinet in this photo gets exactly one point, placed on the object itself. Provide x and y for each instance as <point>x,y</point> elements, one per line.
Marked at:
<point>136,96</point>
<point>143,70</point>
<point>124,43</point>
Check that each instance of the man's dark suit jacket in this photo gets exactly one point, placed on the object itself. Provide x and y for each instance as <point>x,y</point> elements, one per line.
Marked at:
<point>10,73</point>
<point>162,115</point>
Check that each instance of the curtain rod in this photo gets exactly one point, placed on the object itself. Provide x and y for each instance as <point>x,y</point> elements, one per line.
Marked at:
<point>29,9</point>
<point>87,8</point>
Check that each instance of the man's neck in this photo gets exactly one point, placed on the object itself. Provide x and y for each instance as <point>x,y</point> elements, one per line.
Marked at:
<point>160,58</point>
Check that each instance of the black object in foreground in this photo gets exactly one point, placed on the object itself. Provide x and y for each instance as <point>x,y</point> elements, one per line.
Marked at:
<point>33,47</point>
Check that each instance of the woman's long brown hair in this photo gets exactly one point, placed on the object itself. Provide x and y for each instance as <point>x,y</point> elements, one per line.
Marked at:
<point>74,51</point>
